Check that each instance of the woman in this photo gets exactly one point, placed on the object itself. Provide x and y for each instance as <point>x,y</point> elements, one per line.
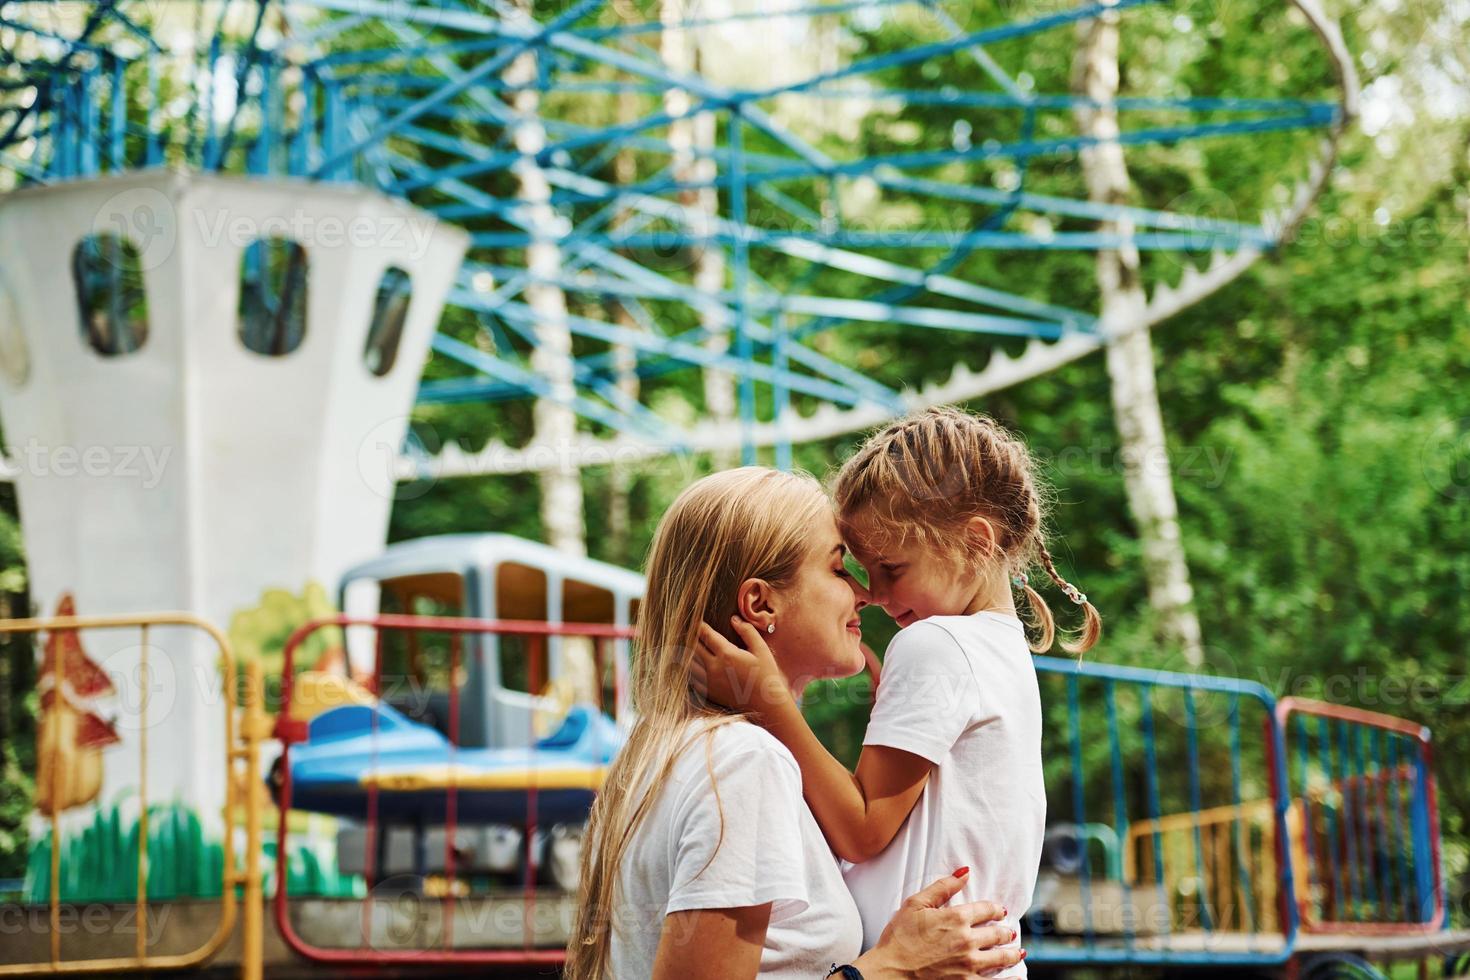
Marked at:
<point>702,860</point>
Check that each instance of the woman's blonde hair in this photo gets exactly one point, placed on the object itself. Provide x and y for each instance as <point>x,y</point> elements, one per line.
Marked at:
<point>728,527</point>
<point>926,476</point>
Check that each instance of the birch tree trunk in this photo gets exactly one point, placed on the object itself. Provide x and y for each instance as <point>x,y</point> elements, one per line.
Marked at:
<point>570,663</point>
<point>1130,357</point>
<point>625,367</point>
<point>554,421</point>
<point>690,135</point>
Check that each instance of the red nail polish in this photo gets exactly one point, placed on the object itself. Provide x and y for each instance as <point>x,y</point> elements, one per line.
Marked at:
<point>961,872</point>
<point>1023,954</point>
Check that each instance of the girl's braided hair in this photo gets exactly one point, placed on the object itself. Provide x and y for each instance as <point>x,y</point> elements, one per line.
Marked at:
<point>924,477</point>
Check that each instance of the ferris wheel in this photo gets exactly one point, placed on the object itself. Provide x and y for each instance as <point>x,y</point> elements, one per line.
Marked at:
<point>681,185</point>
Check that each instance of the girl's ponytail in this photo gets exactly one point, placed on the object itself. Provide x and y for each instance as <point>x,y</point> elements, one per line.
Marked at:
<point>1041,618</point>
<point>1091,620</point>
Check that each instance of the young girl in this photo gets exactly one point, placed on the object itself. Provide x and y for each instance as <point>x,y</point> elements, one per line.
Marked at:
<point>943,509</point>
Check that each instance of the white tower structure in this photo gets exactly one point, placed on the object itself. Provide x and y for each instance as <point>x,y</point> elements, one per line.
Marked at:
<point>204,381</point>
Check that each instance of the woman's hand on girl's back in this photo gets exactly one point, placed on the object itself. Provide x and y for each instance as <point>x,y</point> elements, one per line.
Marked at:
<point>743,679</point>
<point>928,940</point>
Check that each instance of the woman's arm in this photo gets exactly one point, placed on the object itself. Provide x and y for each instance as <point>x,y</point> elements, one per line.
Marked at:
<point>712,944</point>
<point>859,813</point>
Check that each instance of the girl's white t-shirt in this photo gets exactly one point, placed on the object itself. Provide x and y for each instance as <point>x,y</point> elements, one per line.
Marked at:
<point>768,848</point>
<point>960,691</point>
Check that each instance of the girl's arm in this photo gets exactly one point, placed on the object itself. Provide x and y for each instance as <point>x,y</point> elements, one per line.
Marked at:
<point>712,944</point>
<point>858,812</point>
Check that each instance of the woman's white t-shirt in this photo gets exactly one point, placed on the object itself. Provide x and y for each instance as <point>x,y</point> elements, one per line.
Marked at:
<point>960,691</point>
<point>768,848</point>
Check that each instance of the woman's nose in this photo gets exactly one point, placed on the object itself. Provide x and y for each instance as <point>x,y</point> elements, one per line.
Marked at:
<point>863,596</point>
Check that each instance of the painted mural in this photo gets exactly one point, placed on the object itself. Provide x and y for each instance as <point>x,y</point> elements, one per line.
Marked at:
<point>73,732</point>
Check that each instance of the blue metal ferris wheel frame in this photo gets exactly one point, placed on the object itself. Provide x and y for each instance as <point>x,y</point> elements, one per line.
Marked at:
<point>364,114</point>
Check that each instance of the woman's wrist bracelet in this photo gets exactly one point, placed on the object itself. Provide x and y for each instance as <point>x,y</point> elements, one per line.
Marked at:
<point>846,972</point>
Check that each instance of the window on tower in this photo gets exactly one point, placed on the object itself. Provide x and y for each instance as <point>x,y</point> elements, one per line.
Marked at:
<point>390,311</point>
<point>273,282</point>
<point>111,300</point>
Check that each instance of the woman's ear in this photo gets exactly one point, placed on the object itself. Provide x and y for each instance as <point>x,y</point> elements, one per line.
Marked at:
<point>756,602</point>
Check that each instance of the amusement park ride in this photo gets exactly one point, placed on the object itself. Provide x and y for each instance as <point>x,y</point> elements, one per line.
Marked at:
<point>233,234</point>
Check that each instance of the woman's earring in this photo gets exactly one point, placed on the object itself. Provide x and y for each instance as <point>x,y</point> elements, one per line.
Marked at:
<point>770,627</point>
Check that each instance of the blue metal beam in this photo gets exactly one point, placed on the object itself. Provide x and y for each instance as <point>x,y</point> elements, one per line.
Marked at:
<point>924,52</point>
<point>1064,102</point>
<point>327,30</point>
<point>439,15</point>
<point>725,303</point>
<point>532,383</point>
<point>1013,241</point>
<point>693,354</point>
<point>714,97</point>
<point>804,10</point>
<point>652,423</point>
<point>242,77</point>
<point>1070,207</point>
<point>364,56</point>
<point>454,88</point>
<point>1016,151</point>
<point>978,53</point>
<point>948,96</point>
<point>740,260</point>
<point>872,267</point>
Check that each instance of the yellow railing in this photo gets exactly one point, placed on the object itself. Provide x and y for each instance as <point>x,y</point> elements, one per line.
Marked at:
<point>242,753</point>
<point>1216,865</point>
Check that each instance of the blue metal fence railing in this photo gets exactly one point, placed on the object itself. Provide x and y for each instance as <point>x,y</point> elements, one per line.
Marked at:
<point>1165,765</point>
<point>1367,830</point>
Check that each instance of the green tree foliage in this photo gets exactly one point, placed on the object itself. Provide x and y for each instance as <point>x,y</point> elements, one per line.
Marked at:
<point>18,702</point>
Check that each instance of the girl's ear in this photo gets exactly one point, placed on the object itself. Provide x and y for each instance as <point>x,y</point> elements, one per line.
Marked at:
<point>984,537</point>
<point>756,602</point>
